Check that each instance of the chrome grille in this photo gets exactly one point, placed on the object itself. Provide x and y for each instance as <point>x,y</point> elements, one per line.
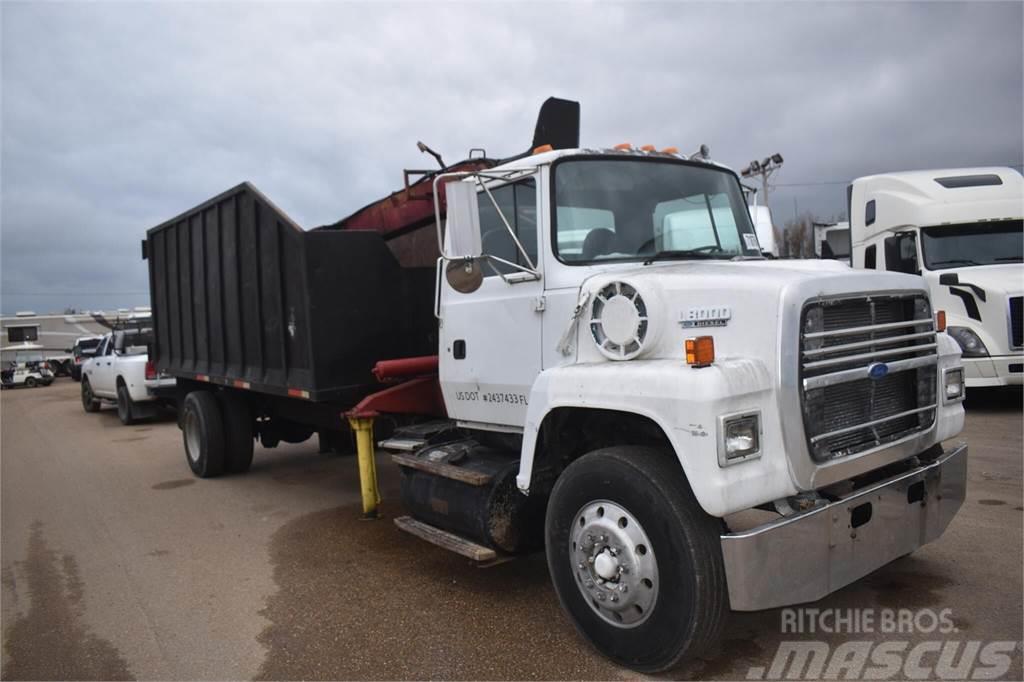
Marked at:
<point>868,372</point>
<point>1016,322</point>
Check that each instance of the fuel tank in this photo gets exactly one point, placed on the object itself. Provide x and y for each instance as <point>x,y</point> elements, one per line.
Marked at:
<point>470,490</point>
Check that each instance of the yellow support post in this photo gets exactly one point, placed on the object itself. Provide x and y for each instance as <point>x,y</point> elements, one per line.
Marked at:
<point>363,428</point>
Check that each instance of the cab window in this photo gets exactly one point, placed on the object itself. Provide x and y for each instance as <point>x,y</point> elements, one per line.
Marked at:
<point>518,203</point>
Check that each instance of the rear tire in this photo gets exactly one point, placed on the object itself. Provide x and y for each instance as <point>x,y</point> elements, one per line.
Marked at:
<point>203,434</point>
<point>238,432</point>
<point>626,517</point>
<point>125,406</point>
<point>90,403</point>
<point>30,382</point>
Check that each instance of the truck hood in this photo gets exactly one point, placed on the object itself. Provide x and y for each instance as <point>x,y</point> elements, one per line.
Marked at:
<point>740,304</point>
<point>1002,278</point>
<point>985,312</point>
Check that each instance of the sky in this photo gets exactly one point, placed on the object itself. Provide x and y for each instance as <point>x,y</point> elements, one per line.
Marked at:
<point>117,116</point>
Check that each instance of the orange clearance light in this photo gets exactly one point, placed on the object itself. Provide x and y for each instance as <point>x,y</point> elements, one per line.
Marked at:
<point>700,352</point>
<point>624,146</point>
<point>647,148</point>
<point>670,150</point>
<point>940,321</point>
<point>543,148</point>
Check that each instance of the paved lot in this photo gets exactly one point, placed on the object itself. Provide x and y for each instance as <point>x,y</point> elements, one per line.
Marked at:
<point>118,564</point>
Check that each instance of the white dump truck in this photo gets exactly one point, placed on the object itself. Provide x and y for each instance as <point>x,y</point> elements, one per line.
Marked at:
<point>598,364</point>
<point>962,230</point>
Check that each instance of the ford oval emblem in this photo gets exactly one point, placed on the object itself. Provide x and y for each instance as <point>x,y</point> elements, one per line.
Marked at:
<point>878,370</point>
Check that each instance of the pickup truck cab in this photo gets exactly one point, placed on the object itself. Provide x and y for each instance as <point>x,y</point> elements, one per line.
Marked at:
<point>120,372</point>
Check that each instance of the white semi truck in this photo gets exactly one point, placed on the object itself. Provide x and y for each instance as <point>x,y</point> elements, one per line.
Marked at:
<point>617,373</point>
<point>961,229</point>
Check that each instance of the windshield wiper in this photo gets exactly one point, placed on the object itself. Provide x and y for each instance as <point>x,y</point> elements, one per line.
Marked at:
<point>702,254</point>
<point>953,261</point>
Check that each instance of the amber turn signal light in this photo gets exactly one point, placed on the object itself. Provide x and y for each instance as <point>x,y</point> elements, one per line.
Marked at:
<point>940,321</point>
<point>700,352</point>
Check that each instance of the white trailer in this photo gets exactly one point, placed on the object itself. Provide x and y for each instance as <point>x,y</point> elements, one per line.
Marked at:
<point>961,229</point>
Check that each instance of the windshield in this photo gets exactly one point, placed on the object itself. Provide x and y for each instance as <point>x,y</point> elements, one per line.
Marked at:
<point>632,209</point>
<point>951,246</point>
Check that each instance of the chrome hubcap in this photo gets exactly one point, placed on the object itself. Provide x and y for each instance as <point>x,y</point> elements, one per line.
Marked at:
<point>192,436</point>
<point>614,563</point>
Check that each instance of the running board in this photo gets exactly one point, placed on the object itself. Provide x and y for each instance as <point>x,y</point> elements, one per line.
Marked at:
<point>456,473</point>
<point>446,540</point>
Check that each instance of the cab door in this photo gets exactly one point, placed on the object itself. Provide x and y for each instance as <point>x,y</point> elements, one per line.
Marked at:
<point>101,369</point>
<point>490,351</point>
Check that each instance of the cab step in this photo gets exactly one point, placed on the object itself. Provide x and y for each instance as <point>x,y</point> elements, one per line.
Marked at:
<point>414,436</point>
<point>446,540</point>
<point>443,469</point>
<point>402,444</point>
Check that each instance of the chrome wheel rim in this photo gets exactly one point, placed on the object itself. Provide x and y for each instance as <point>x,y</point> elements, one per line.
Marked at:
<point>613,563</point>
<point>192,436</point>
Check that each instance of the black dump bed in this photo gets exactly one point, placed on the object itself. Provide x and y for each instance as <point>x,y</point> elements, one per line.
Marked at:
<point>240,293</point>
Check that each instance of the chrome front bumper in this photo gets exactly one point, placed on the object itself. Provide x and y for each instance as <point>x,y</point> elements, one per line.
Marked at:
<point>804,557</point>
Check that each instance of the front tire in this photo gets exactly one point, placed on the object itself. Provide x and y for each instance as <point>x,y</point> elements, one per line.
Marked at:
<point>203,433</point>
<point>30,382</point>
<point>125,406</point>
<point>90,403</point>
<point>636,563</point>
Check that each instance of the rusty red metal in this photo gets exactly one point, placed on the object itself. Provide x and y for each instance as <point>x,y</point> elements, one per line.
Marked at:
<point>408,209</point>
<point>419,396</point>
<point>405,367</point>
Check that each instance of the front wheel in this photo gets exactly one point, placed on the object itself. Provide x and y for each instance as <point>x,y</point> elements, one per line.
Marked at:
<point>90,403</point>
<point>30,382</point>
<point>636,563</point>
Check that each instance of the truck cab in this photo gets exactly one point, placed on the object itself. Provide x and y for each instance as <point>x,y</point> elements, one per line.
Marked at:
<point>961,230</point>
<point>597,305</point>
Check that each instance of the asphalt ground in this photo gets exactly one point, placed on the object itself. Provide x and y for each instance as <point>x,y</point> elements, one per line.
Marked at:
<point>118,564</point>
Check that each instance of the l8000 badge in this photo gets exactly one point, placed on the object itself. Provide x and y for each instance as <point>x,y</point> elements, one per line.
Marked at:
<point>706,316</point>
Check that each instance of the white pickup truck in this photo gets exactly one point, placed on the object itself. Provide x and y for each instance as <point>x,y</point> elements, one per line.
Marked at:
<point>121,372</point>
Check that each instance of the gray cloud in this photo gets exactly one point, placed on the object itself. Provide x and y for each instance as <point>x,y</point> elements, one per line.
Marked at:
<point>117,116</point>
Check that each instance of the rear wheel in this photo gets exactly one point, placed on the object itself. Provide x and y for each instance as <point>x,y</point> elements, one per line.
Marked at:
<point>203,434</point>
<point>238,432</point>
<point>125,406</point>
<point>90,403</point>
<point>30,382</point>
<point>635,561</point>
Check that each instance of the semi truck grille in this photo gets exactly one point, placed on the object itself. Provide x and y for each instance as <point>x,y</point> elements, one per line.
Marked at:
<point>1016,322</point>
<point>868,372</point>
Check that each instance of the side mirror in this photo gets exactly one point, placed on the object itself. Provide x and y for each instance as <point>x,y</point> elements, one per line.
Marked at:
<point>949,278</point>
<point>465,276</point>
<point>462,235</point>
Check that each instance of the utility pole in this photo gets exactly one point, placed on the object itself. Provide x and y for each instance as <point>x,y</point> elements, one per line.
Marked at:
<point>764,168</point>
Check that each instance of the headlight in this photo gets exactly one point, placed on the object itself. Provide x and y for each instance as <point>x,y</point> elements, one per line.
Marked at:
<point>953,384</point>
<point>739,437</point>
<point>970,343</point>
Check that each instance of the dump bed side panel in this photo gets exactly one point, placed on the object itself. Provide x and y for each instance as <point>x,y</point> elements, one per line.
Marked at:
<point>228,295</point>
<point>240,293</point>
